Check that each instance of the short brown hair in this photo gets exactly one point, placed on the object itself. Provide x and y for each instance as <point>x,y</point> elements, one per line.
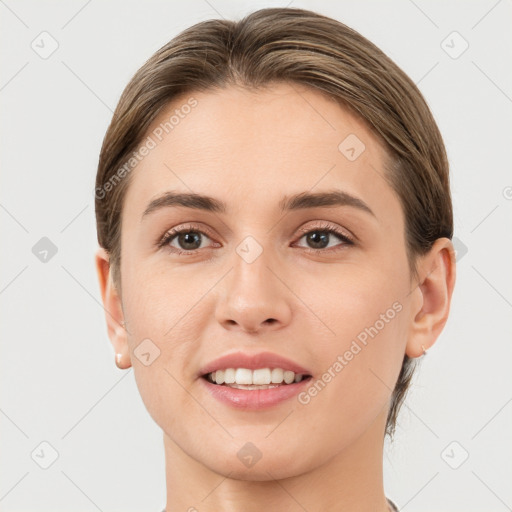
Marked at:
<point>298,46</point>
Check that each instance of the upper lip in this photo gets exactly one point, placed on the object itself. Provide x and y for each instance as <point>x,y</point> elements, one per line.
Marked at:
<point>252,362</point>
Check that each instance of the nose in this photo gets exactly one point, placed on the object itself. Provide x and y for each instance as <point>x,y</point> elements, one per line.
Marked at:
<point>254,297</point>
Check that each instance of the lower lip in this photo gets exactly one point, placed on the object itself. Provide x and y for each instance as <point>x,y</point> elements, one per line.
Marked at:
<point>257,398</point>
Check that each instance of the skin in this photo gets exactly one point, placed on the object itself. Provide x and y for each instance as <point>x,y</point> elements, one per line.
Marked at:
<point>249,149</point>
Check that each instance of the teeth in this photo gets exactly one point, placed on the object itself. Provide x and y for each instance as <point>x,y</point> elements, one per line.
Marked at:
<point>277,376</point>
<point>239,377</point>
<point>243,376</point>
<point>245,386</point>
<point>261,376</point>
<point>229,376</point>
<point>289,377</point>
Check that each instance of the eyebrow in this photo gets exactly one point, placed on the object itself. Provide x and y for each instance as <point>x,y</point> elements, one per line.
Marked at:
<point>301,201</point>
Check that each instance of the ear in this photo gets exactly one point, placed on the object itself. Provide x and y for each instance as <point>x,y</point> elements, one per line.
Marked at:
<point>113,310</point>
<point>432,297</point>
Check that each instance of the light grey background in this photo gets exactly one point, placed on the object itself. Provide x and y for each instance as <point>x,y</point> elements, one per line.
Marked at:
<point>59,384</point>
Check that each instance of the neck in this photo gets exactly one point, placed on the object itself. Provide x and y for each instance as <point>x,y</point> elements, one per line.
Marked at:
<point>351,481</point>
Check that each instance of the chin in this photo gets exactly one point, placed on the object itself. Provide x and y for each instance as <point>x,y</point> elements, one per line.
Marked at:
<point>260,472</point>
<point>248,464</point>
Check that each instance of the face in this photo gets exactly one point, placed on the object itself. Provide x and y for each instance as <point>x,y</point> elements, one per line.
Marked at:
<point>321,280</point>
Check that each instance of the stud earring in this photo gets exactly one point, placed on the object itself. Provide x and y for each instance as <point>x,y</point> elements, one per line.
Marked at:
<point>424,351</point>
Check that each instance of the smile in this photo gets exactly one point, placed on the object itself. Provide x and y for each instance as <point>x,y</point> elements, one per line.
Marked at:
<point>260,378</point>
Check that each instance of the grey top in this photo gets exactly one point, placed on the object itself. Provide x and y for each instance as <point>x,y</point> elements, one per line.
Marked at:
<point>394,508</point>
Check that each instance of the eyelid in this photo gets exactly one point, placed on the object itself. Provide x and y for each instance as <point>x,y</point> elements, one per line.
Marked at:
<point>328,226</point>
<point>187,226</point>
<point>303,230</point>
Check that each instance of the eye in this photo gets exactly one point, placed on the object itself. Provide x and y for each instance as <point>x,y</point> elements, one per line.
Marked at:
<point>319,238</point>
<point>184,240</point>
<point>188,239</point>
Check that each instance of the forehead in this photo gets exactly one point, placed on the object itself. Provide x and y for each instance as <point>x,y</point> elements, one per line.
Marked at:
<point>242,144</point>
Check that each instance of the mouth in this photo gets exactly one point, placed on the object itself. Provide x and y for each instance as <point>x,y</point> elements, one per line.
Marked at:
<point>255,379</point>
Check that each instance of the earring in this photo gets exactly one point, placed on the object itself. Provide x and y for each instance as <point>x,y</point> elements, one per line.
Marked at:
<point>424,351</point>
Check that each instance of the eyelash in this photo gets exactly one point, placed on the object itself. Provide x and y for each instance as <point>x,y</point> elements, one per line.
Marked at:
<point>324,228</point>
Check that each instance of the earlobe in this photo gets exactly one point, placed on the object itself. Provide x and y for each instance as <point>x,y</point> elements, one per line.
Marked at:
<point>112,306</point>
<point>429,315</point>
<point>122,349</point>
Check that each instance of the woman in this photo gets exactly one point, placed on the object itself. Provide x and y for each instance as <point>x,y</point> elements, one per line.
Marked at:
<point>275,222</point>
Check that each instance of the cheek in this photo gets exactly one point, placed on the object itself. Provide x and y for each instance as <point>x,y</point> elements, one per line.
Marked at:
<point>159,299</point>
<point>348,302</point>
<point>362,330</point>
<point>168,311</point>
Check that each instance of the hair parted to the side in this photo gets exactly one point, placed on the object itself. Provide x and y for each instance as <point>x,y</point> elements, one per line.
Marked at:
<point>295,46</point>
